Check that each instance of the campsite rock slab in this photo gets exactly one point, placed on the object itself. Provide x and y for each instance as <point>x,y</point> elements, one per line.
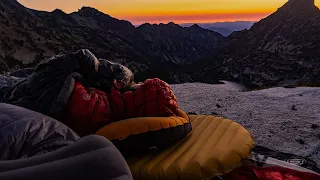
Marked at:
<point>264,113</point>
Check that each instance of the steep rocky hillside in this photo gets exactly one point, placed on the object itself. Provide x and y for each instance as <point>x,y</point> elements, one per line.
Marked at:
<point>282,48</point>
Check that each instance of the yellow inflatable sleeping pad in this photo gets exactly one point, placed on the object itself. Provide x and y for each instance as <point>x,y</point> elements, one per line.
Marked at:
<point>214,147</point>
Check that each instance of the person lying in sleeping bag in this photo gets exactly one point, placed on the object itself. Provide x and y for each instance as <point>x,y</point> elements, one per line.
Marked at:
<point>90,109</point>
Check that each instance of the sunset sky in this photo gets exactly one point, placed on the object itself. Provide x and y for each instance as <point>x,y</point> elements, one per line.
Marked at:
<point>178,11</point>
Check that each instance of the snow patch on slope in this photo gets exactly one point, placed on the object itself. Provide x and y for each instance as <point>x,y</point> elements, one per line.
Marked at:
<point>286,120</point>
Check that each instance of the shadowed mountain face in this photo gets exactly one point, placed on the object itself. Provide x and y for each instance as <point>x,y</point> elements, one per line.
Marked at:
<point>27,36</point>
<point>282,48</point>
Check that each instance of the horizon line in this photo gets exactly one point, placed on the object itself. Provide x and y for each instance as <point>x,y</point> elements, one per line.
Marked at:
<point>209,22</point>
<point>163,21</point>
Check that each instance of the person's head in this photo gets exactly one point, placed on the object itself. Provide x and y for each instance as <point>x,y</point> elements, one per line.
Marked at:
<point>114,74</point>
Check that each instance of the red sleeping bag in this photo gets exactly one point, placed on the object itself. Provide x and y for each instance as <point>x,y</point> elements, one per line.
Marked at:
<point>270,173</point>
<point>87,111</point>
<point>154,98</point>
<point>91,109</point>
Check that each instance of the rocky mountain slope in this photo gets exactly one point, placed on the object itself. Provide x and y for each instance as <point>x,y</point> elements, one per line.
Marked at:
<point>28,36</point>
<point>282,48</point>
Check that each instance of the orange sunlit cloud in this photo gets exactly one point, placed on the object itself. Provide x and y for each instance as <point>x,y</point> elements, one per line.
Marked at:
<point>178,11</point>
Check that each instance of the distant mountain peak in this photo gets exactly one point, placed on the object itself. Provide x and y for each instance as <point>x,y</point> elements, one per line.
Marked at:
<point>302,2</point>
<point>299,6</point>
<point>168,25</point>
<point>90,11</point>
<point>58,11</point>
<point>146,24</point>
<point>172,24</point>
<point>195,26</point>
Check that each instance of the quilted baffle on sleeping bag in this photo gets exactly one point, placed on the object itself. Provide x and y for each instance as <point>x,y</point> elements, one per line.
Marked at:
<point>88,110</point>
<point>25,133</point>
<point>153,98</point>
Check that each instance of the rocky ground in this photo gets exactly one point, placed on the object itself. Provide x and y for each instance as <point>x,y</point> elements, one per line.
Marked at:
<point>286,120</point>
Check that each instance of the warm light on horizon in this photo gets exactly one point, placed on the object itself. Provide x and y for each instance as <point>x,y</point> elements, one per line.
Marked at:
<point>164,11</point>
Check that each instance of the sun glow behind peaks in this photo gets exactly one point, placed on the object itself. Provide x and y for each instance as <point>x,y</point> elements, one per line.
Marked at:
<point>178,11</point>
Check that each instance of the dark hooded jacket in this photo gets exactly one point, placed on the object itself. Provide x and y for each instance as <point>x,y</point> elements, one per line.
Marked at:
<point>24,133</point>
<point>42,91</point>
<point>47,90</point>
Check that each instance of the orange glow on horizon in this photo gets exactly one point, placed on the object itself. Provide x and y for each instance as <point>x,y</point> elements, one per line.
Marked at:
<point>164,11</point>
<point>194,18</point>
